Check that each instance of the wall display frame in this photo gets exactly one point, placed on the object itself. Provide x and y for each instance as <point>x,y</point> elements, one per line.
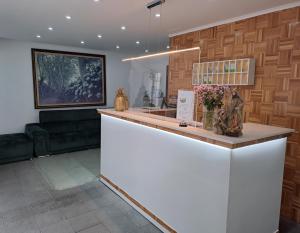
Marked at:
<point>68,79</point>
<point>229,72</point>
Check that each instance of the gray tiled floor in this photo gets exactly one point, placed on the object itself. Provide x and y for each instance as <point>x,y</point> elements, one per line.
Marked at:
<point>29,202</point>
<point>33,199</point>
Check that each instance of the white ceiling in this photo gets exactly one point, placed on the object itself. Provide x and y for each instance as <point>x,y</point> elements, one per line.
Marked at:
<point>23,20</point>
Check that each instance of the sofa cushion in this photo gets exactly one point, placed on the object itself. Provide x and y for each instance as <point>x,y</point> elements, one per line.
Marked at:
<point>91,137</point>
<point>13,146</point>
<point>64,141</point>
<point>88,125</point>
<point>68,115</point>
<point>13,139</point>
<point>60,127</point>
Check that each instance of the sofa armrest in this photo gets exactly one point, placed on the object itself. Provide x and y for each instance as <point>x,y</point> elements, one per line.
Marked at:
<point>40,138</point>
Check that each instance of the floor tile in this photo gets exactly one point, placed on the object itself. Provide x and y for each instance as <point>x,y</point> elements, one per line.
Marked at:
<point>149,228</point>
<point>16,215</point>
<point>32,197</point>
<point>59,227</point>
<point>138,219</point>
<point>113,211</point>
<point>95,192</point>
<point>48,218</point>
<point>12,187</point>
<point>122,224</point>
<point>44,206</point>
<point>100,228</point>
<point>76,209</point>
<point>13,203</point>
<point>84,221</point>
<point>7,195</point>
<point>21,226</point>
<point>124,207</point>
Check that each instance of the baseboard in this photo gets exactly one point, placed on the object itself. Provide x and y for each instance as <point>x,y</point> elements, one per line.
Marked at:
<point>140,208</point>
<point>137,206</point>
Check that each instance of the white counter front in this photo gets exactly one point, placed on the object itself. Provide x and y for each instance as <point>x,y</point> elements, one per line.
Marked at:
<point>190,186</point>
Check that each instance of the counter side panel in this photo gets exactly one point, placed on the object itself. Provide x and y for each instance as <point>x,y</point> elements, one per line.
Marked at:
<point>183,181</point>
<point>255,187</point>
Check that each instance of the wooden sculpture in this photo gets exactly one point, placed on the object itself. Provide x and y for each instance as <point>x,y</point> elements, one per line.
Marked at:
<point>229,119</point>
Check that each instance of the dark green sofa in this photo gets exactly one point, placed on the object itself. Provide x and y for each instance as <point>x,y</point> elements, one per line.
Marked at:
<point>63,131</point>
<point>15,147</point>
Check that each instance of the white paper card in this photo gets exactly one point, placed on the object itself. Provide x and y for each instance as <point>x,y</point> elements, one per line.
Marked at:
<point>185,105</point>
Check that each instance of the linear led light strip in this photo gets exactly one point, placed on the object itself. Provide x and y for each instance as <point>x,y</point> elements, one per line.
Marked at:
<point>161,54</point>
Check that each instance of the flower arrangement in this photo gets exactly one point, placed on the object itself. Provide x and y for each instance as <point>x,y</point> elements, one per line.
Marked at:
<point>210,96</point>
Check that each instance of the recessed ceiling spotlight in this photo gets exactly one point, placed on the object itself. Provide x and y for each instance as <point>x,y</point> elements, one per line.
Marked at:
<point>146,51</point>
<point>68,17</point>
<point>157,15</point>
<point>137,42</point>
<point>168,47</point>
<point>99,36</point>
<point>38,36</point>
<point>50,28</point>
<point>82,42</point>
<point>96,0</point>
<point>123,28</point>
<point>117,47</point>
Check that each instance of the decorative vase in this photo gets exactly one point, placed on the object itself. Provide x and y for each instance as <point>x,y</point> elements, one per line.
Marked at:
<point>207,119</point>
<point>120,101</point>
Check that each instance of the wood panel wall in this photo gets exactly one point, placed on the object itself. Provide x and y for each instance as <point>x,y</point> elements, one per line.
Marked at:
<point>274,41</point>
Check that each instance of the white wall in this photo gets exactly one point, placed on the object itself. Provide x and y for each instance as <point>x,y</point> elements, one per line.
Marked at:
<point>16,84</point>
<point>139,81</point>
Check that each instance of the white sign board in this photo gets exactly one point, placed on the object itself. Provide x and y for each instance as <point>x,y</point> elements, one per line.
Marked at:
<point>185,105</point>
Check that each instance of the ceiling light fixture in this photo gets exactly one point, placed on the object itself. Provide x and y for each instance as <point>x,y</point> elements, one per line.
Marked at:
<point>155,3</point>
<point>82,42</point>
<point>99,36</point>
<point>68,17</point>
<point>123,28</point>
<point>96,0</point>
<point>146,51</point>
<point>137,42</point>
<point>157,15</point>
<point>168,47</point>
<point>161,54</point>
<point>38,36</point>
<point>50,28</point>
<point>117,47</point>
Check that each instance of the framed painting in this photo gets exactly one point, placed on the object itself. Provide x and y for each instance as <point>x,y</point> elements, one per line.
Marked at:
<point>66,79</point>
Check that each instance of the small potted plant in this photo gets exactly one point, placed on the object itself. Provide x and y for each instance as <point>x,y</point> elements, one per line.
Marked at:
<point>210,96</point>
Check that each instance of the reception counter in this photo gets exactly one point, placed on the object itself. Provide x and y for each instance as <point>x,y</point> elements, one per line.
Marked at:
<point>190,180</point>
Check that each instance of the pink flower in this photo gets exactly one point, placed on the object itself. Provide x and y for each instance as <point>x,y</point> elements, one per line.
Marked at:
<point>210,96</point>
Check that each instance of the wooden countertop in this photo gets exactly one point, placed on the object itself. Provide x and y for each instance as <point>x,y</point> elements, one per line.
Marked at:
<point>252,133</point>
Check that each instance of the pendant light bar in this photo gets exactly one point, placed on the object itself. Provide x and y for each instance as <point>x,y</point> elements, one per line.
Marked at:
<point>161,54</point>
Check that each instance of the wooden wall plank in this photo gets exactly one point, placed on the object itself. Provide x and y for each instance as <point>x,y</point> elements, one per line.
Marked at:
<point>274,41</point>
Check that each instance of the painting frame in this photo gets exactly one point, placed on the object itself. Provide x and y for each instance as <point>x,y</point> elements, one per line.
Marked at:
<point>37,102</point>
